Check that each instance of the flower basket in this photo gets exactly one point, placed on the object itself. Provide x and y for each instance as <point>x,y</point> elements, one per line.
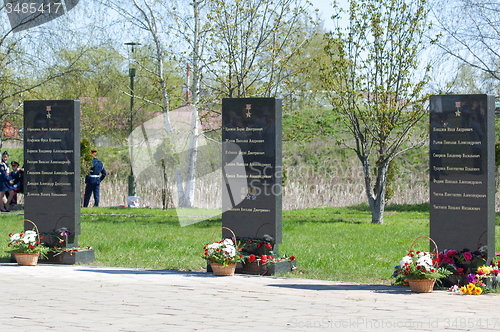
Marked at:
<point>26,247</point>
<point>223,271</point>
<point>223,255</point>
<point>421,285</point>
<point>419,269</point>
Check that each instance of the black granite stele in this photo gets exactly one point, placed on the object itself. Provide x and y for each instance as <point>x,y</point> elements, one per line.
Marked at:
<point>462,172</point>
<point>251,160</point>
<point>52,168</point>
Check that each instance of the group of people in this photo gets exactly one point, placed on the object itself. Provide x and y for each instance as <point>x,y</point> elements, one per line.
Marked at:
<point>11,182</point>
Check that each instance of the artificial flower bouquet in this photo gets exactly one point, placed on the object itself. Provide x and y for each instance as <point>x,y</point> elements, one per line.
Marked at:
<point>461,262</point>
<point>224,252</point>
<point>475,286</point>
<point>268,259</point>
<point>418,265</point>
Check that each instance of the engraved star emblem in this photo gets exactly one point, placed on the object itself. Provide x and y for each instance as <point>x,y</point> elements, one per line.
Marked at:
<point>249,107</point>
<point>457,113</point>
<point>48,112</point>
<point>249,114</point>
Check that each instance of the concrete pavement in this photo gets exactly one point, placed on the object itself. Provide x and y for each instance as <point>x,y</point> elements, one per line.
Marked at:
<point>86,298</point>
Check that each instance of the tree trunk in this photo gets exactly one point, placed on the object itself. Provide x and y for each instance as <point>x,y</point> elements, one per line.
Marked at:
<point>376,200</point>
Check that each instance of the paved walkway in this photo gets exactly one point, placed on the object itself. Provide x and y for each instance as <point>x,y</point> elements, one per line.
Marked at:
<point>84,298</point>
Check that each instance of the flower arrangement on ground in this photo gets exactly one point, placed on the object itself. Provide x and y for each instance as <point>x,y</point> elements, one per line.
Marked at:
<point>26,242</point>
<point>224,252</point>
<point>58,240</point>
<point>461,262</point>
<point>475,286</point>
<point>268,259</point>
<point>418,265</point>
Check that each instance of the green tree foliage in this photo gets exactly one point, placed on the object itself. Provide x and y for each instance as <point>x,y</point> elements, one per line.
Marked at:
<point>251,44</point>
<point>374,89</point>
<point>85,156</point>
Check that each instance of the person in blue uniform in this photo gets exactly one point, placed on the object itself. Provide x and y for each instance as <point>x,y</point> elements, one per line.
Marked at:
<point>17,176</point>
<point>5,182</point>
<point>97,173</point>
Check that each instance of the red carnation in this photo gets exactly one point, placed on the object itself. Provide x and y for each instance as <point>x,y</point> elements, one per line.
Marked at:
<point>292,258</point>
<point>406,273</point>
<point>418,267</point>
<point>32,246</point>
<point>424,271</point>
<point>206,253</point>
<point>269,246</point>
<point>263,258</point>
<point>251,258</point>
<point>10,234</point>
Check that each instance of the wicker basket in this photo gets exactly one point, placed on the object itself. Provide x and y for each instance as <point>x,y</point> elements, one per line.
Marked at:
<point>217,268</point>
<point>252,268</point>
<point>421,285</point>
<point>224,271</point>
<point>26,259</point>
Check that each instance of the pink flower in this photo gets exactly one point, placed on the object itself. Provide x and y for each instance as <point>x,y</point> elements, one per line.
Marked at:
<point>448,260</point>
<point>467,256</point>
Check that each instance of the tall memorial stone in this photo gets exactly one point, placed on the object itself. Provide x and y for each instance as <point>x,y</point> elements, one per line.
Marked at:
<point>52,167</point>
<point>251,163</point>
<point>462,172</point>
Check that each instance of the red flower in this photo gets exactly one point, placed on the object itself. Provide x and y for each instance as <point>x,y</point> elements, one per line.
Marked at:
<point>424,271</point>
<point>263,258</point>
<point>206,253</point>
<point>269,257</point>
<point>226,253</point>
<point>241,255</point>
<point>231,258</point>
<point>37,242</point>
<point>269,246</point>
<point>31,246</point>
<point>418,267</point>
<point>418,252</point>
<point>460,271</point>
<point>433,270</point>
<point>260,244</point>
<point>41,237</point>
<point>218,249</point>
<point>249,241</point>
<point>10,234</point>
<point>292,258</point>
<point>406,273</point>
<point>251,258</point>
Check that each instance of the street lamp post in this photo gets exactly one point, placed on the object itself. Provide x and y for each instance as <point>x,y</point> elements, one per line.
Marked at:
<point>131,73</point>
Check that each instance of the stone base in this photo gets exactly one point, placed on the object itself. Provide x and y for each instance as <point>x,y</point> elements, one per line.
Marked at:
<point>71,258</point>
<point>266,270</point>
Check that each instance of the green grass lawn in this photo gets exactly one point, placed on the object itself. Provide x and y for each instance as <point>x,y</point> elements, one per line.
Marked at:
<point>329,243</point>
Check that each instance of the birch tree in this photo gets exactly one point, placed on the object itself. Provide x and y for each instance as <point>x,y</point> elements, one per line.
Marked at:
<point>374,87</point>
